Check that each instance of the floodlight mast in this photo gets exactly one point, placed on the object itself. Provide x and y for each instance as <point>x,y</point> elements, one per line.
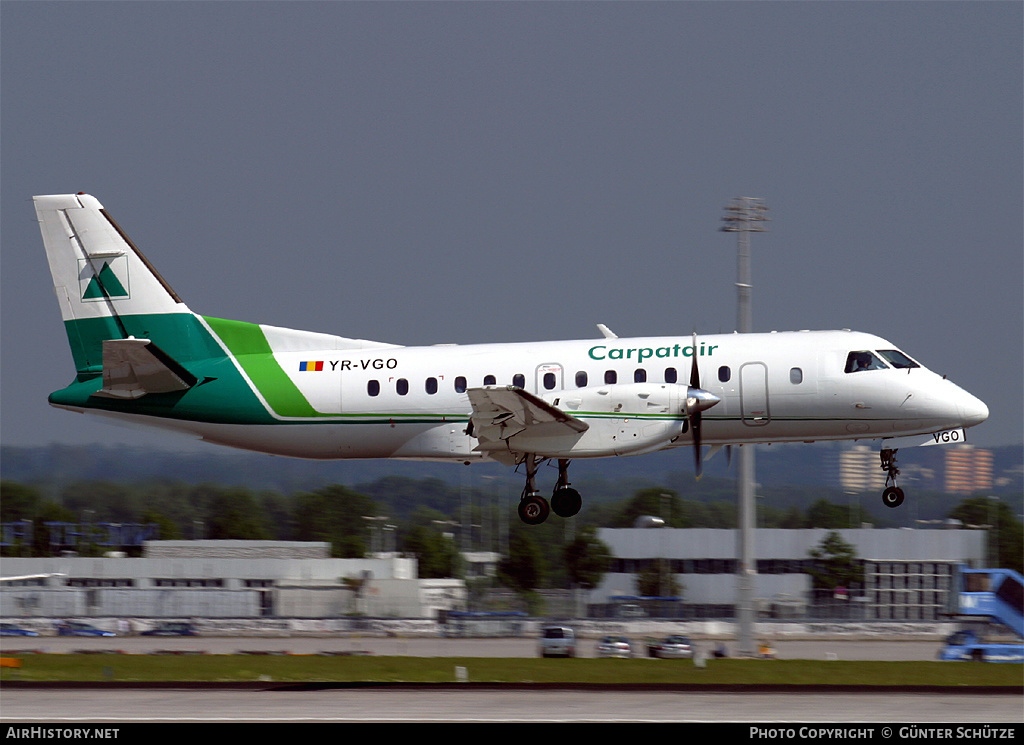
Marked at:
<point>744,216</point>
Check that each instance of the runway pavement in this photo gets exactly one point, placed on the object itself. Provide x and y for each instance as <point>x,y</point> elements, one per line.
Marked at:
<point>493,706</point>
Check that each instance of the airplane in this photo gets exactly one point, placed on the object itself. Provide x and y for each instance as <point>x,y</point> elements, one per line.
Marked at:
<point>142,355</point>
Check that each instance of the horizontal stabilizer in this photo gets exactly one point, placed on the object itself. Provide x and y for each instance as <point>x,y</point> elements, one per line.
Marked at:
<point>134,367</point>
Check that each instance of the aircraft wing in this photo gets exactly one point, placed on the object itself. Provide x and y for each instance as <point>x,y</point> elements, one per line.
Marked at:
<point>134,367</point>
<point>503,412</point>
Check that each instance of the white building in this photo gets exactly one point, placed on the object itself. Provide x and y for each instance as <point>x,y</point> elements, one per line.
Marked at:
<point>227,579</point>
<point>907,572</point>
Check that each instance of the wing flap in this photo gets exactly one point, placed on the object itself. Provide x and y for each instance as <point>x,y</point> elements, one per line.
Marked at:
<point>133,368</point>
<point>503,412</point>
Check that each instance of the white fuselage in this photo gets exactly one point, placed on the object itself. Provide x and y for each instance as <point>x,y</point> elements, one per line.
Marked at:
<point>411,402</point>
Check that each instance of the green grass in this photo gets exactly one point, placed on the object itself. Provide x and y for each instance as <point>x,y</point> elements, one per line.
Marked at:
<point>373,669</point>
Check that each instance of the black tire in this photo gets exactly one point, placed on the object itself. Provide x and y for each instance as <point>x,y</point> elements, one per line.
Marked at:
<point>566,502</point>
<point>892,497</point>
<point>533,510</point>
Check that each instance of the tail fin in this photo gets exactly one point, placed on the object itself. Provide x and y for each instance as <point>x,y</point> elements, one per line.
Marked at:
<point>105,286</point>
<point>131,336</point>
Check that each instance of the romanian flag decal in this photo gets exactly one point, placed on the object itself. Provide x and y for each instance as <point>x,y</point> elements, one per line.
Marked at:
<point>311,366</point>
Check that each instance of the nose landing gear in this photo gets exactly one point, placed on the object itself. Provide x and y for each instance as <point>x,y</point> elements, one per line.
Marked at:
<point>892,496</point>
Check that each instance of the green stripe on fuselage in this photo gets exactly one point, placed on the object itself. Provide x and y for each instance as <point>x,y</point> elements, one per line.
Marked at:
<point>249,346</point>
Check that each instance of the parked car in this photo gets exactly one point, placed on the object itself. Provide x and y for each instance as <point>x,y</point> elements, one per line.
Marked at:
<point>77,628</point>
<point>671,647</point>
<point>557,641</point>
<point>9,629</point>
<point>614,646</point>
<point>171,628</point>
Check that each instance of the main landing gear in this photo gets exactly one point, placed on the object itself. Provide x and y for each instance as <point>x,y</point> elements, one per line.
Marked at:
<point>565,501</point>
<point>893,495</point>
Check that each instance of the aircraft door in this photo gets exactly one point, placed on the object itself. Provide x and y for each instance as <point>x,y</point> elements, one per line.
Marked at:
<point>754,394</point>
<point>550,377</point>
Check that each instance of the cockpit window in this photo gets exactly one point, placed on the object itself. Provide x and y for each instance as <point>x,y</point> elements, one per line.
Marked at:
<point>859,361</point>
<point>897,359</point>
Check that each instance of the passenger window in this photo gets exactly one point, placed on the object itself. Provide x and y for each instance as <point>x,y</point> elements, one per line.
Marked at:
<point>490,380</point>
<point>402,386</point>
<point>519,380</point>
<point>671,375</point>
<point>796,376</point>
<point>724,374</point>
<point>460,384</point>
<point>610,377</point>
<point>549,381</point>
<point>431,386</point>
<point>581,379</point>
<point>639,375</point>
<point>373,387</point>
<point>860,361</point>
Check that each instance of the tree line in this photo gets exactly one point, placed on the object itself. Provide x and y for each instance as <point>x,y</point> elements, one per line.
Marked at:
<point>426,518</point>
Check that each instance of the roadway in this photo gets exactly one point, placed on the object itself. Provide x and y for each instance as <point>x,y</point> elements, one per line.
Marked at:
<point>823,649</point>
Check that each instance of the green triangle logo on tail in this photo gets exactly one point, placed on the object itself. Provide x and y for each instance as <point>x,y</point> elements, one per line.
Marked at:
<point>104,285</point>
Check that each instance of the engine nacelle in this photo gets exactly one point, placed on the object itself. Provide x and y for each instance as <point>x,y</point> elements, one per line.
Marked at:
<point>626,419</point>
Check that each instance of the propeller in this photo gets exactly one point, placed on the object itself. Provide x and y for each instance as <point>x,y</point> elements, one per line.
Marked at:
<point>697,400</point>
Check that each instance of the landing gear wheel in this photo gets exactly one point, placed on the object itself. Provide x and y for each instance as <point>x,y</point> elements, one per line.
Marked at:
<point>566,502</point>
<point>892,496</point>
<point>533,509</point>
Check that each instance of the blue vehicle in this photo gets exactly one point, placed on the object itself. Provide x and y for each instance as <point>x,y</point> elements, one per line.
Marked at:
<point>171,628</point>
<point>76,628</point>
<point>966,645</point>
<point>988,599</point>
<point>9,629</point>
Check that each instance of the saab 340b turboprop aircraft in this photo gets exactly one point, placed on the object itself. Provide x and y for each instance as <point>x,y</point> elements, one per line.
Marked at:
<point>142,355</point>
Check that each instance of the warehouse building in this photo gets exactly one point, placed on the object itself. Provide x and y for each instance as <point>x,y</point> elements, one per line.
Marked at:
<point>907,573</point>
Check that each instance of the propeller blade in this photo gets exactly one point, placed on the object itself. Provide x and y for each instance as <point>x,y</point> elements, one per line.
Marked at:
<point>694,372</point>
<point>698,466</point>
<point>697,400</point>
<point>694,411</point>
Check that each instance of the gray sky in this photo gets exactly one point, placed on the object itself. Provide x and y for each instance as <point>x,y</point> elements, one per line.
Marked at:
<point>463,172</point>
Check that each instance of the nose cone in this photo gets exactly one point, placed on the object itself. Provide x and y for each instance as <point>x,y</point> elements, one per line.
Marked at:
<point>972,410</point>
<point>697,399</point>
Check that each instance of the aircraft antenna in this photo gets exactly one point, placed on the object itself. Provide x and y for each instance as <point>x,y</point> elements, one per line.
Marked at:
<point>743,216</point>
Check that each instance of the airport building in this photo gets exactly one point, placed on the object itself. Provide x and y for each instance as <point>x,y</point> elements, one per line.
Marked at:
<point>907,576</point>
<point>907,573</point>
<point>226,579</point>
